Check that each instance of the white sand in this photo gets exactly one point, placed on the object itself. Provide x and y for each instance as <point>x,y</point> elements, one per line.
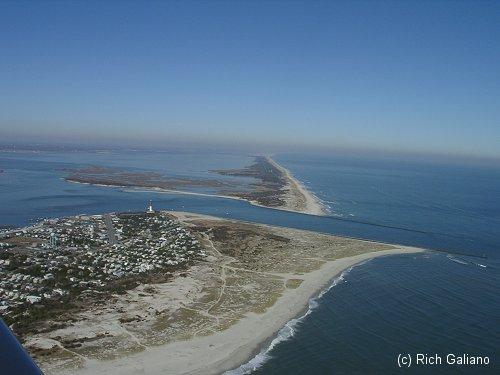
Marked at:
<point>230,348</point>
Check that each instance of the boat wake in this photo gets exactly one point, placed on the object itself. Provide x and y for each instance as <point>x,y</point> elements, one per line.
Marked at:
<point>457,260</point>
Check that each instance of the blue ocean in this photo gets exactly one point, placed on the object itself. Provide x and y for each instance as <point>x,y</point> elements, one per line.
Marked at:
<point>442,302</point>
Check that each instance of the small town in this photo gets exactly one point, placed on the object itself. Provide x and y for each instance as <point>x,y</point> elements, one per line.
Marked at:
<point>59,260</point>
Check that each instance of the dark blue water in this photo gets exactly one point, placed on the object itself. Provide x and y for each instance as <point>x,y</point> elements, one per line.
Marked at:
<point>399,304</point>
<point>427,303</point>
<point>431,303</point>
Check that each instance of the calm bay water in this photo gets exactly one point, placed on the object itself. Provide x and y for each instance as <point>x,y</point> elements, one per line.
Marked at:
<point>427,303</point>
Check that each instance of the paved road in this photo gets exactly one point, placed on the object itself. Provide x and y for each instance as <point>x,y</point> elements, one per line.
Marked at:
<point>111,230</point>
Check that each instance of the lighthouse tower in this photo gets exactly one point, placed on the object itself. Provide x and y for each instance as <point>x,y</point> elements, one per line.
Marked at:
<point>150,208</point>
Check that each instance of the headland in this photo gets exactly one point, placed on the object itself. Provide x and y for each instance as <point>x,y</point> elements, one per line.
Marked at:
<point>201,297</point>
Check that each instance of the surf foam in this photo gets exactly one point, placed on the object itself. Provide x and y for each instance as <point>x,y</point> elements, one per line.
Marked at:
<point>288,330</point>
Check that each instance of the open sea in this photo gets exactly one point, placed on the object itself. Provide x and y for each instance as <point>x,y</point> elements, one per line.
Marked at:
<point>441,302</point>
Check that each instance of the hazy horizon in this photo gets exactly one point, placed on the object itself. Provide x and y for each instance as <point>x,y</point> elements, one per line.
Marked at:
<point>394,77</point>
<point>254,149</point>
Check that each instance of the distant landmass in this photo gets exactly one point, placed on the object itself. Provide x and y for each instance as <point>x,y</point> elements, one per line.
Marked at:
<point>275,187</point>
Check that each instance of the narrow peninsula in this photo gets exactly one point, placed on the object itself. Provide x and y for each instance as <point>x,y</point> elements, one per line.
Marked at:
<point>272,185</point>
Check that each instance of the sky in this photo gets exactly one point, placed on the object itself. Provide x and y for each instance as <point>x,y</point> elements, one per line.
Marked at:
<point>419,76</point>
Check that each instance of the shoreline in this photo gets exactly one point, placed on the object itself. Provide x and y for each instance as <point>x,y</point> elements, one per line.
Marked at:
<point>235,346</point>
<point>312,204</point>
<point>298,198</point>
<point>341,267</point>
<point>260,355</point>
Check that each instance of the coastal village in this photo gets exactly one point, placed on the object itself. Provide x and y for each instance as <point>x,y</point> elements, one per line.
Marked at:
<point>56,261</point>
<point>91,293</point>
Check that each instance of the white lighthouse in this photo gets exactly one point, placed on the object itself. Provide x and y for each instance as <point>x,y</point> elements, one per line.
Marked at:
<point>150,208</point>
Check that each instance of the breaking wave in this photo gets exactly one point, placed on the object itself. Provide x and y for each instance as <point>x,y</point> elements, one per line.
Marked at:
<point>288,330</point>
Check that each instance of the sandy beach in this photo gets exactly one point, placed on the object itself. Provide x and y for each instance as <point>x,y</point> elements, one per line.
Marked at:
<point>296,197</point>
<point>228,349</point>
<point>239,301</point>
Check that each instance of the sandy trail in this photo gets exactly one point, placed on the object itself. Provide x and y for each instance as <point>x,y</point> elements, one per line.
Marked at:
<point>255,279</point>
<point>227,349</point>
